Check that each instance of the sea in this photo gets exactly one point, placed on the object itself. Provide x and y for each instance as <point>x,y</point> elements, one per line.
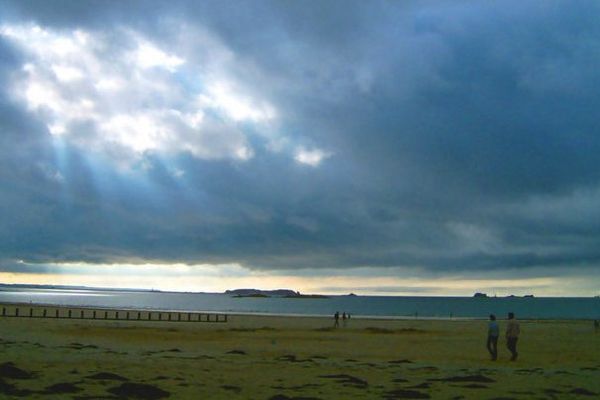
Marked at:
<point>358,306</point>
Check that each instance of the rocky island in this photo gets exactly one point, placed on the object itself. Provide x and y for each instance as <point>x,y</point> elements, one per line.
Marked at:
<point>281,293</point>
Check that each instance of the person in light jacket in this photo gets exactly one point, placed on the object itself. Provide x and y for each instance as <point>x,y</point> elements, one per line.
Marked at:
<point>512,335</point>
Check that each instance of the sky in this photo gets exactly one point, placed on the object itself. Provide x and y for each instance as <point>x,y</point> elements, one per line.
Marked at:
<point>385,148</point>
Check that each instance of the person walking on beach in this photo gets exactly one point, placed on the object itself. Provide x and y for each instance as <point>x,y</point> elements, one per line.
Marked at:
<point>336,319</point>
<point>512,335</point>
<point>492,339</point>
<point>344,318</point>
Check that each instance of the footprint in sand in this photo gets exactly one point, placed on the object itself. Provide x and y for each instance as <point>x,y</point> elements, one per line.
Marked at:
<point>583,392</point>
<point>347,380</point>
<point>284,397</point>
<point>472,386</point>
<point>293,358</point>
<point>231,388</point>
<point>423,385</point>
<point>466,379</point>
<point>9,370</point>
<point>62,388</point>
<point>12,390</point>
<point>405,394</point>
<point>107,376</point>
<point>139,391</point>
<point>403,361</point>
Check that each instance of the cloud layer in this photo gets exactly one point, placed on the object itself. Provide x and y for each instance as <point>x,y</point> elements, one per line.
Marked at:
<point>442,136</point>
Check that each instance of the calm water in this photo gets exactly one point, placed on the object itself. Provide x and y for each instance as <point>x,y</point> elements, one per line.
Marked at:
<point>428,307</point>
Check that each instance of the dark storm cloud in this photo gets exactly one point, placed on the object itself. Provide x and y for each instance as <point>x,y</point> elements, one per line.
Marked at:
<point>464,137</point>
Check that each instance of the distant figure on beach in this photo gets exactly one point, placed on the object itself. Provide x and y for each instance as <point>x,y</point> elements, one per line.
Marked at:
<point>344,318</point>
<point>492,339</point>
<point>512,335</point>
<point>596,325</point>
<point>336,319</point>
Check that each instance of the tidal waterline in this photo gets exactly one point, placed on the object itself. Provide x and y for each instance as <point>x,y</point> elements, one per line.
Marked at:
<point>375,306</point>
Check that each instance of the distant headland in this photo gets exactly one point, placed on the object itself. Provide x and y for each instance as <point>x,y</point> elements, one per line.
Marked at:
<point>280,293</point>
<point>484,295</point>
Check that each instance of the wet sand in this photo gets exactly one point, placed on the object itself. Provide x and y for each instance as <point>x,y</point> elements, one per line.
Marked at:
<point>278,358</point>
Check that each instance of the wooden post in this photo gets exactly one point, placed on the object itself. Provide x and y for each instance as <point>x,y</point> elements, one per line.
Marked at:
<point>94,314</point>
<point>139,316</point>
<point>188,317</point>
<point>44,313</point>
<point>116,315</point>
<point>69,313</point>
<point>4,311</point>
<point>17,312</point>
<point>178,316</point>
<point>127,315</point>
<point>149,316</point>
<point>81,314</point>
<point>56,313</point>
<point>105,314</point>
<point>30,312</point>
<point>160,316</point>
<point>169,316</point>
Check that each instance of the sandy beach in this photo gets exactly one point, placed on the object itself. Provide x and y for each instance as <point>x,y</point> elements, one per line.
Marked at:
<point>269,357</point>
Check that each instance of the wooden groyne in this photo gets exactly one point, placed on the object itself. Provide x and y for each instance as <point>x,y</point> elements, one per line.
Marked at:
<point>107,314</point>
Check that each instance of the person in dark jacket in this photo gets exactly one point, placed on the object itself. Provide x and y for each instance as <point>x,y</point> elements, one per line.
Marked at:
<point>492,339</point>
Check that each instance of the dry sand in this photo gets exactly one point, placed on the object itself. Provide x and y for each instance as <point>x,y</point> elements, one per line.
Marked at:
<point>265,357</point>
